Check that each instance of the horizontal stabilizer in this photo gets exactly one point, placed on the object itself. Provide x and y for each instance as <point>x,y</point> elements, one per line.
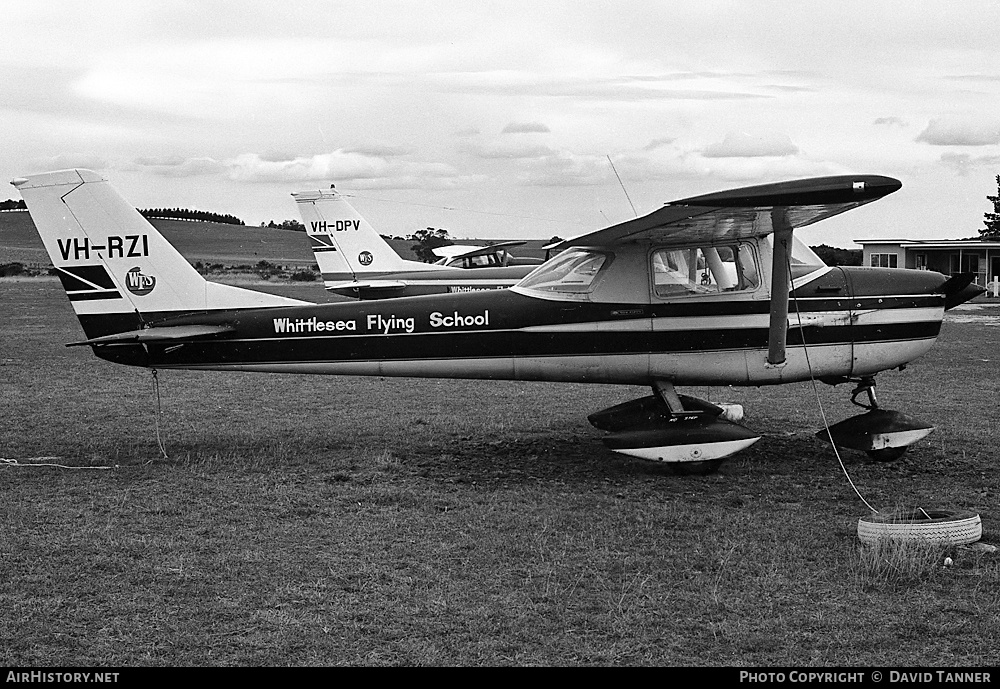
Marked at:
<point>366,284</point>
<point>165,334</point>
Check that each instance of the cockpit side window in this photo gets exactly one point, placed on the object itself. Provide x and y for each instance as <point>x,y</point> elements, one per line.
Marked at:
<point>704,270</point>
<point>803,259</point>
<point>574,271</point>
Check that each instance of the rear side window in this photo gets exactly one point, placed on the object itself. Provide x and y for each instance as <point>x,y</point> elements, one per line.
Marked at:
<point>704,270</point>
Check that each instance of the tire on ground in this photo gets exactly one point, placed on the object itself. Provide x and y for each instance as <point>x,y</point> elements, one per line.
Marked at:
<point>947,527</point>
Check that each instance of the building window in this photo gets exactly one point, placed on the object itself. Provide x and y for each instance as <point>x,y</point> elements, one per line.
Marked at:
<point>921,261</point>
<point>884,261</point>
<point>966,263</point>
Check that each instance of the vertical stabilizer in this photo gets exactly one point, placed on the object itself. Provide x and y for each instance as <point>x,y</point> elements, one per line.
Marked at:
<point>346,246</point>
<point>111,260</point>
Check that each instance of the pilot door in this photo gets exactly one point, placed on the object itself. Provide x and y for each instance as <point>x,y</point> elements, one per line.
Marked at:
<point>705,303</point>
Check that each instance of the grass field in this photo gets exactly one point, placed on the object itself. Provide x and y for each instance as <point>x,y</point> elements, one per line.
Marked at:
<point>363,521</point>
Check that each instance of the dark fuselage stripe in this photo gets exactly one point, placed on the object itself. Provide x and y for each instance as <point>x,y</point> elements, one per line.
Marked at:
<point>503,344</point>
<point>91,296</point>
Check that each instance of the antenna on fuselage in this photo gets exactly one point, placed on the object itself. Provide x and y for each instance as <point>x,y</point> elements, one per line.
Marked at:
<point>623,187</point>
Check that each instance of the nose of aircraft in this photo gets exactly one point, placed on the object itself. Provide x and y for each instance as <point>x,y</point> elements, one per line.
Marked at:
<point>869,282</point>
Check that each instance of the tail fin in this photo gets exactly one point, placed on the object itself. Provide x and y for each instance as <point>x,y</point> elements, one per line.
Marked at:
<point>112,261</point>
<point>346,246</point>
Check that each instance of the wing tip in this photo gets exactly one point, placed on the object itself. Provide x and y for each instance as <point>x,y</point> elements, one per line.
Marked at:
<point>804,192</point>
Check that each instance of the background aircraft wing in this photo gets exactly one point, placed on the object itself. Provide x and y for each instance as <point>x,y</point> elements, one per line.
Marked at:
<point>745,212</point>
<point>469,251</point>
<point>452,250</point>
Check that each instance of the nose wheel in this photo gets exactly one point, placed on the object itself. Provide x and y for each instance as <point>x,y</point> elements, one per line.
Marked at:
<point>882,434</point>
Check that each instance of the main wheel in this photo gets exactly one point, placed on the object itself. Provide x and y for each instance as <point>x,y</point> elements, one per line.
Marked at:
<point>702,468</point>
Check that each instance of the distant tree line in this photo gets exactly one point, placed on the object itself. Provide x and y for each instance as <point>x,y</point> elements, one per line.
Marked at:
<point>833,256</point>
<point>12,205</point>
<point>188,214</point>
<point>293,225</point>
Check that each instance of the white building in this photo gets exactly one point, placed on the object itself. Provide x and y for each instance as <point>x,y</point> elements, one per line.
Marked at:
<point>947,256</point>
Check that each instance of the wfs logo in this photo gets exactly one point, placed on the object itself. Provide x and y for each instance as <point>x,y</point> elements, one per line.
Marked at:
<point>365,258</point>
<point>139,284</point>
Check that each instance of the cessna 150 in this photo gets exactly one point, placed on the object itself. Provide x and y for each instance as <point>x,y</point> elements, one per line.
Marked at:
<point>694,293</point>
<point>356,262</point>
<point>491,255</point>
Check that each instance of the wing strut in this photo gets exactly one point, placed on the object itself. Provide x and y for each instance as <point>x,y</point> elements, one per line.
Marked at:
<point>779,286</point>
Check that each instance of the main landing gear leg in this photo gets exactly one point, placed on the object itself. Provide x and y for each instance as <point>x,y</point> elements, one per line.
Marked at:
<point>865,385</point>
<point>688,434</point>
<point>883,434</point>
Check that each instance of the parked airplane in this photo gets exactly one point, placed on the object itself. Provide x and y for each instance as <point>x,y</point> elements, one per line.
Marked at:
<point>356,262</point>
<point>697,292</point>
<point>489,256</point>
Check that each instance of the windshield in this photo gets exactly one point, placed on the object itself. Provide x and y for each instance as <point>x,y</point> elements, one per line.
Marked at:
<point>574,271</point>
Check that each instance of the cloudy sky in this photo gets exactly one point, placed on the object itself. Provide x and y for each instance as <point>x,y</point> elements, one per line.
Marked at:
<point>502,119</point>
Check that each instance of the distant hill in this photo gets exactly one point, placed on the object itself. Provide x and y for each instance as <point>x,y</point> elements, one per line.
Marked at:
<point>198,241</point>
<point>209,242</point>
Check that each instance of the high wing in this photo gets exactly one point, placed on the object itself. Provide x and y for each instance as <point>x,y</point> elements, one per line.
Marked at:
<point>754,211</point>
<point>750,212</point>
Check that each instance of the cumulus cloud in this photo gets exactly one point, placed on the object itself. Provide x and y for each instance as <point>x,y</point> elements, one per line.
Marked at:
<point>565,169</point>
<point>507,150</point>
<point>379,151</point>
<point>769,169</point>
<point>526,128</point>
<point>963,163</point>
<point>744,145</point>
<point>657,143</point>
<point>65,161</point>
<point>961,132</point>
<point>707,86</point>
<point>890,121</point>
<point>341,165</point>
<point>175,166</point>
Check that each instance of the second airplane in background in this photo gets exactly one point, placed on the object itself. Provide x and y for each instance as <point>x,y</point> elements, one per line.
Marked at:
<point>357,262</point>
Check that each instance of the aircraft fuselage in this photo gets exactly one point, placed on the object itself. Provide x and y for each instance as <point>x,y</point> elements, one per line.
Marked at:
<point>853,321</point>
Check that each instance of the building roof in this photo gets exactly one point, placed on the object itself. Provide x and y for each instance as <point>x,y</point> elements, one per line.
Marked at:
<point>934,243</point>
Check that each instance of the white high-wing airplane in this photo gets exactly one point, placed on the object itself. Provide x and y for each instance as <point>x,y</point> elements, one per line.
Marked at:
<point>356,262</point>
<point>698,292</point>
<point>489,256</point>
